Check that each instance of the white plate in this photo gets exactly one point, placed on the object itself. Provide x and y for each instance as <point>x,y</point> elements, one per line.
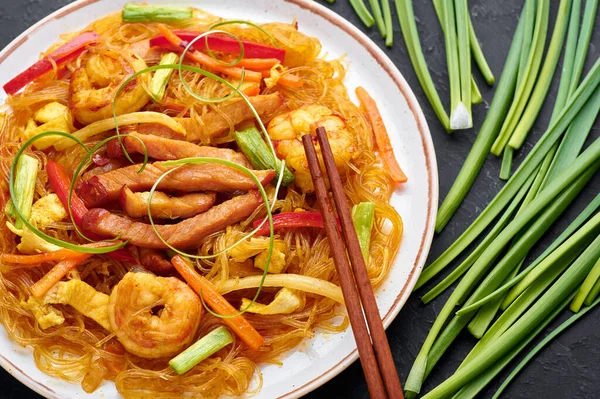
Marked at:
<point>326,355</point>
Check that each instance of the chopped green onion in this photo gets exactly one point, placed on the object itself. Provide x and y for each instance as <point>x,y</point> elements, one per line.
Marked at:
<point>460,116</point>
<point>507,160</point>
<point>254,147</point>
<point>387,19</point>
<point>452,62</point>
<point>487,133</point>
<point>161,77</point>
<point>144,13</point>
<point>534,105</point>
<point>586,287</point>
<point>566,324</point>
<point>206,346</point>
<point>363,216</point>
<point>406,17</point>
<point>27,169</point>
<point>529,78</point>
<point>363,13</point>
<point>378,16</point>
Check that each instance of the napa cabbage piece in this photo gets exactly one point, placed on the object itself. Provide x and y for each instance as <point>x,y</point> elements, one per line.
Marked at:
<point>286,301</point>
<point>259,247</point>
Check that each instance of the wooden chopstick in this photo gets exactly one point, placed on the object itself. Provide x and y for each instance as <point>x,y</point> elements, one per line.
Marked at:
<point>381,346</point>
<point>349,290</point>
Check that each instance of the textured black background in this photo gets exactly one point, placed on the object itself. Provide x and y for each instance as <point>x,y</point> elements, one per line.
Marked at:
<point>565,369</point>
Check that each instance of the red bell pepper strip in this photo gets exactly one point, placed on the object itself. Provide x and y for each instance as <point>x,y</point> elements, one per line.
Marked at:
<point>60,56</point>
<point>221,43</point>
<point>291,220</point>
<point>61,184</point>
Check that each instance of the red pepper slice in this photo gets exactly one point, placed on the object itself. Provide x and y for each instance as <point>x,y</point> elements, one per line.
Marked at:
<point>222,43</point>
<point>60,184</point>
<point>61,55</point>
<point>291,220</point>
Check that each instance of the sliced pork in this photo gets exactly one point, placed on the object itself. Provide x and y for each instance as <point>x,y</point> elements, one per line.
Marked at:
<point>215,123</point>
<point>164,149</point>
<point>190,178</point>
<point>135,205</point>
<point>186,234</point>
<point>154,260</point>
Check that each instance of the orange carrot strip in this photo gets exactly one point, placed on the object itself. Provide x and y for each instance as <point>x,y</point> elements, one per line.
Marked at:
<point>203,287</point>
<point>43,285</point>
<point>257,63</point>
<point>209,62</point>
<point>382,139</point>
<point>287,79</point>
<point>251,90</point>
<point>59,255</point>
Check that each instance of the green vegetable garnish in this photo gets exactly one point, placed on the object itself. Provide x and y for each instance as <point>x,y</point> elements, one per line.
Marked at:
<point>143,13</point>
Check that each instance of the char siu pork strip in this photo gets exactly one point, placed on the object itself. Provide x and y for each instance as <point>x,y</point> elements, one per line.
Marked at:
<point>214,123</point>
<point>164,149</point>
<point>190,178</point>
<point>186,234</point>
<point>154,260</point>
<point>135,205</point>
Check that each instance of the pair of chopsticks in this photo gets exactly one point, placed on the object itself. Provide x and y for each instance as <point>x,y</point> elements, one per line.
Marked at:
<point>374,350</point>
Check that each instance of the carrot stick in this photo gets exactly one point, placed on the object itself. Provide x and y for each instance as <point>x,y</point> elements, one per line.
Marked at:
<point>43,285</point>
<point>59,255</point>
<point>382,138</point>
<point>207,290</point>
<point>287,79</point>
<point>209,62</point>
<point>257,63</point>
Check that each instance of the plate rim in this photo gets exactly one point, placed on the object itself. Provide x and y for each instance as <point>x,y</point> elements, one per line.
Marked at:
<point>430,160</point>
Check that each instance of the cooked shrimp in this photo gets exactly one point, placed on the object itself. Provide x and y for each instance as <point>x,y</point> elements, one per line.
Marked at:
<point>287,129</point>
<point>154,316</point>
<point>94,85</point>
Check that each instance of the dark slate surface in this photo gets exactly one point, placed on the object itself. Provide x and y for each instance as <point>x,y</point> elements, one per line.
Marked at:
<point>565,369</point>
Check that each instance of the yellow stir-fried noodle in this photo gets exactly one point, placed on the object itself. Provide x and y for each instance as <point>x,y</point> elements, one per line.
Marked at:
<point>79,349</point>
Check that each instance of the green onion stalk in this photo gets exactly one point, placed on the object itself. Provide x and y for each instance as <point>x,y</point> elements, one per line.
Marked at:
<point>206,346</point>
<point>406,17</point>
<point>487,134</point>
<point>559,291</point>
<point>530,75</point>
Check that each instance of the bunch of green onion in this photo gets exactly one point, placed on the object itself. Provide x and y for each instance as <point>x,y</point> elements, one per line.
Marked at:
<point>461,45</point>
<point>497,299</point>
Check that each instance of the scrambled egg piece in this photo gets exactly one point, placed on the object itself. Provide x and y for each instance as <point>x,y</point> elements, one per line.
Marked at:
<point>259,247</point>
<point>47,316</point>
<point>83,297</point>
<point>286,301</point>
<point>51,117</point>
<point>45,211</point>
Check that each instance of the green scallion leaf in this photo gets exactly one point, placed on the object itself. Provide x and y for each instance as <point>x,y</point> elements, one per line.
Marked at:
<point>586,287</point>
<point>378,17</point>
<point>363,216</point>
<point>158,84</point>
<point>363,12</point>
<point>460,116</point>
<point>27,169</point>
<point>507,160</point>
<point>206,346</point>
<point>387,19</point>
<point>406,17</point>
<point>143,13</point>
<point>486,136</point>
